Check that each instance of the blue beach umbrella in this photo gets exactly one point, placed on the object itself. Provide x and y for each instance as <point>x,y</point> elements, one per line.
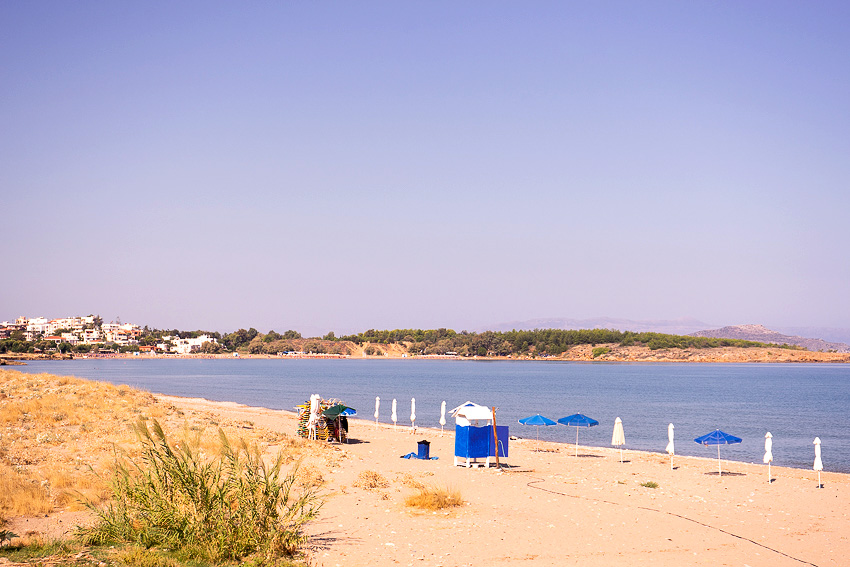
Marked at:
<point>577,420</point>
<point>537,421</point>
<point>718,438</point>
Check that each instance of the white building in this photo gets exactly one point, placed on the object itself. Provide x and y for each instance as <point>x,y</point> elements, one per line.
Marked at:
<point>126,334</point>
<point>35,327</point>
<point>185,346</point>
<point>90,335</point>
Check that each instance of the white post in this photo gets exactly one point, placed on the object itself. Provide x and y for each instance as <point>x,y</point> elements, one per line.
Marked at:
<point>576,441</point>
<point>719,470</point>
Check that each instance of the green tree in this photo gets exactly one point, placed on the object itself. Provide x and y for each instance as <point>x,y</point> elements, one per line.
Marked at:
<point>272,336</point>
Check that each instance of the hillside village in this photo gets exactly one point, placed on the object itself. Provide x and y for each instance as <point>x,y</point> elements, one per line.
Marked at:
<point>93,332</point>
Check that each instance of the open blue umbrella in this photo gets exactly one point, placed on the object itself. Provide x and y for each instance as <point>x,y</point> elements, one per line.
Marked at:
<point>537,420</point>
<point>578,420</point>
<point>718,438</point>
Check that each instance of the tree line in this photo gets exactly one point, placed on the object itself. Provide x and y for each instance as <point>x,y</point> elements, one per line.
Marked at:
<point>537,342</point>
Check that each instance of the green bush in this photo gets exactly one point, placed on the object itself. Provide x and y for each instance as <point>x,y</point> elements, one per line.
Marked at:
<point>599,351</point>
<point>222,508</point>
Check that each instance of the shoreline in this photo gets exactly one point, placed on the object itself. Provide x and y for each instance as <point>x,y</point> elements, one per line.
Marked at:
<point>449,431</point>
<point>583,353</point>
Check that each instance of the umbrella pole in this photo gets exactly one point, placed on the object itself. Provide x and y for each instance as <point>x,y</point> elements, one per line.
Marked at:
<point>719,470</point>
<point>819,484</point>
<point>768,472</point>
<point>496,438</point>
<point>621,455</point>
<point>537,445</point>
<point>576,441</point>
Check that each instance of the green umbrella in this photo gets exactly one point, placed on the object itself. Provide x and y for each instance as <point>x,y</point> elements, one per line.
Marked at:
<point>334,412</point>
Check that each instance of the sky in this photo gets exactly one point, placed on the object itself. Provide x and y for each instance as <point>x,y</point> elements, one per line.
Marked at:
<point>352,165</point>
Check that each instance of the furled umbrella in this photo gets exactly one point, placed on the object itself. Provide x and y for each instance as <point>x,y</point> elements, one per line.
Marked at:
<point>537,421</point>
<point>442,417</point>
<point>577,420</point>
<point>313,418</point>
<point>413,414</point>
<point>768,453</point>
<point>718,438</point>
<point>377,410</point>
<point>818,463</point>
<point>394,415</point>
<point>618,439</point>
<point>671,449</point>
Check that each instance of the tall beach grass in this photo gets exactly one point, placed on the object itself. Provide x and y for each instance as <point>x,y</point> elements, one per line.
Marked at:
<point>225,506</point>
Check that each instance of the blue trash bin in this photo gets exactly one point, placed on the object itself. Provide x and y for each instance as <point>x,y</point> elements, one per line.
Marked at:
<point>424,451</point>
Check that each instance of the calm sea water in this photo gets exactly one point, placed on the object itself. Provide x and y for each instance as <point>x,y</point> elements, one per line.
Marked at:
<point>795,402</point>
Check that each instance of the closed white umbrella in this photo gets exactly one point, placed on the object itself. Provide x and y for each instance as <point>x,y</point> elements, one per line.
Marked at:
<point>818,463</point>
<point>442,416</point>
<point>768,453</point>
<point>671,450</point>
<point>313,418</point>
<point>377,409</point>
<point>618,439</point>
<point>394,416</point>
<point>413,413</point>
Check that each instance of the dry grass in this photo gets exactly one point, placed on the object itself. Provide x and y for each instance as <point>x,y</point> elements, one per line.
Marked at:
<point>21,495</point>
<point>59,437</point>
<point>309,476</point>
<point>409,480</point>
<point>48,424</point>
<point>371,480</point>
<point>434,498</point>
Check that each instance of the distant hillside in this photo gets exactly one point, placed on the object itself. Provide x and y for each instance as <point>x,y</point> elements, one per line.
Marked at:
<point>682,326</point>
<point>762,334</point>
<point>829,334</point>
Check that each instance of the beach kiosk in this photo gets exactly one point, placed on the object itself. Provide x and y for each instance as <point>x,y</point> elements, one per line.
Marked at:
<point>474,435</point>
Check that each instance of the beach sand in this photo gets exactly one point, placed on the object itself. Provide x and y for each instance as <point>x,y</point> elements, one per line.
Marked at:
<point>553,508</point>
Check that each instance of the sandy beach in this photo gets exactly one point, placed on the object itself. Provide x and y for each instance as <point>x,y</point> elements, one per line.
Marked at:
<point>550,507</point>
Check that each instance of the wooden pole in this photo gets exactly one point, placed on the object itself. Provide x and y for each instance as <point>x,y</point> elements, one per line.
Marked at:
<point>495,437</point>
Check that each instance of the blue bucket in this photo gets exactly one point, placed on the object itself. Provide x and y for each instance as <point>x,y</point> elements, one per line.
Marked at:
<point>424,451</point>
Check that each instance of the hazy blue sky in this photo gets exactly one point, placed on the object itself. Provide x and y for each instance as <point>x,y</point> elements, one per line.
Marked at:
<point>348,165</point>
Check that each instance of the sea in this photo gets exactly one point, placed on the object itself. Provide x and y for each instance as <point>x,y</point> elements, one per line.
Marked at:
<point>794,402</point>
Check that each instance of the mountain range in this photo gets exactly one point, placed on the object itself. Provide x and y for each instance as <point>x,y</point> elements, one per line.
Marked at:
<point>762,334</point>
